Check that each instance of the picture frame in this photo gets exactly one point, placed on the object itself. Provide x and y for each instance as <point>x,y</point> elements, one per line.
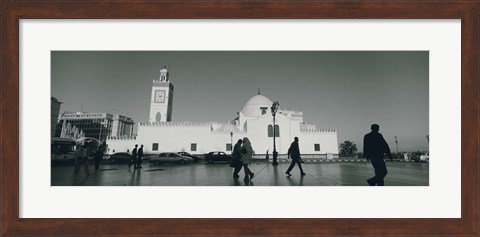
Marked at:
<point>13,11</point>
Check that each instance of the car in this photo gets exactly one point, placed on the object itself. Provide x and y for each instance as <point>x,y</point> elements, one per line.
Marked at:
<point>119,157</point>
<point>170,157</point>
<point>415,156</point>
<point>195,158</point>
<point>216,156</point>
<point>425,158</point>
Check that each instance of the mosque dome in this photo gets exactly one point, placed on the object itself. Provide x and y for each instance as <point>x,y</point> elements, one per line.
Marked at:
<point>254,106</point>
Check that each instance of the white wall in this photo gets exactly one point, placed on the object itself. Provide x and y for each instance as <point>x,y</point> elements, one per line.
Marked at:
<point>327,140</point>
<point>120,145</point>
<point>180,138</point>
<point>177,137</point>
<point>257,132</point>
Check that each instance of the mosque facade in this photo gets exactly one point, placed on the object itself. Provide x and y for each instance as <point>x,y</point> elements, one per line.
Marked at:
<point>255,121</point>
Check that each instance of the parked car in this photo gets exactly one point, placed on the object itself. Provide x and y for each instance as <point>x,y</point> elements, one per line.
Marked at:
<point>195,158</point>
<point>425,158</point>
<point>170,157</point>
<point>119,157</point>
<point>415,156</point>
<point>216,156</point>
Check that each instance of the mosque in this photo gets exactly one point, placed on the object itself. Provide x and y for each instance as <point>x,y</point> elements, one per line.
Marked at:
<point>255,121</point>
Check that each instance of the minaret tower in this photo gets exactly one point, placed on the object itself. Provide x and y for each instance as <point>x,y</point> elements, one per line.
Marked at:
<point>161,100</point>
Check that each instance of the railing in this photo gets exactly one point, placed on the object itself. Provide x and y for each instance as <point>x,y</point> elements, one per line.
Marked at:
<point>304,156</point>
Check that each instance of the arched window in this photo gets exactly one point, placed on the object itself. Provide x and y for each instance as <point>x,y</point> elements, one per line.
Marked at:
<point>270,131</point>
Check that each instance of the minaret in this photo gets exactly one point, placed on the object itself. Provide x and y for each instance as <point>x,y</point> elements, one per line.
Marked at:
<point>161,100</point>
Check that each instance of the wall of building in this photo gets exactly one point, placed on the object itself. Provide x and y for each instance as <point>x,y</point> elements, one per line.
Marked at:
<point>120,145</point>
<point>176,137</point>
<point>327,140</point>
<point>122,128</point>
<point>179,136</point>
<point>257,131</point>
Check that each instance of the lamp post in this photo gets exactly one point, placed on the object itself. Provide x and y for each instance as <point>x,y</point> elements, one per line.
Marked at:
<point>100,134</point>
<point>274,109</point>
<point>231,142</point>
<point>396,141</point>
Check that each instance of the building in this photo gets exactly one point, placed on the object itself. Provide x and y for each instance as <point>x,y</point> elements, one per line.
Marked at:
<point>254,121</point>
<point>55,110</point>
<point>96,125</point>
<point>161,100</point>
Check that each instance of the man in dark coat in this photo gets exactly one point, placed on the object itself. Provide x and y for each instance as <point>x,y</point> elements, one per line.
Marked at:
<point>139,157</point>
<point>133,161</point>
<point>294,153</point>
<point>236,155</point>
<point>374,148</point>
<point>98,156</point>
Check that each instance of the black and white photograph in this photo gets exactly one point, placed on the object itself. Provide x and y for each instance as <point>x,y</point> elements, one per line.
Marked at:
<point>240,118</point>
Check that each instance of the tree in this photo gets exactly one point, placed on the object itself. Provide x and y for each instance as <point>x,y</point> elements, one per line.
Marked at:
<point>348,148</point>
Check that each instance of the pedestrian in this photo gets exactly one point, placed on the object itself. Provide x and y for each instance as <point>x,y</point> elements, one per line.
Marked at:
<point>139,157</point>
<point>374,148</point>
<point>266,156</point>
<point>133,160</point>
<point>246,159</point>
<point>98,156</point>
<point>236,156</point>
<point>294,153</point>
<point>81,158</point>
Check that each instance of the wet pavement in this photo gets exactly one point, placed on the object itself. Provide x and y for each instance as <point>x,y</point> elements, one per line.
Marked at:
<point>202,174</point>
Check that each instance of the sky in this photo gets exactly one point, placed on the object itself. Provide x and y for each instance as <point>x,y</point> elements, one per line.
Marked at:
<point>343,90</point>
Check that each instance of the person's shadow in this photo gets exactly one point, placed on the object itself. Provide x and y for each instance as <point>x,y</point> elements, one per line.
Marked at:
<point>79,181</point>
<point>135,180</point>
<point>293,183</point>
<point>248,182</point>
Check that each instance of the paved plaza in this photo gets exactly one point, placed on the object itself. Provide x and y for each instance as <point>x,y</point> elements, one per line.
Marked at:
<point>202,174</point>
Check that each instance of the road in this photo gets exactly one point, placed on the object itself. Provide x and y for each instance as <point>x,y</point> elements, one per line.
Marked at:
<point>201,174</point>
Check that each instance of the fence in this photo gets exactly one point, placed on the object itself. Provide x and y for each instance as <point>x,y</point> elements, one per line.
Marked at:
<point>304,156</point>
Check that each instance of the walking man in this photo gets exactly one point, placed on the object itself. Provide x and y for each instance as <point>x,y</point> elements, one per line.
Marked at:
<point>247,155</point>
<point>133,161</point>
<point>294,153</point>
<point>374,148</point>
<point>139,157</point>
<point>236,156</point>
<point>98,156</point>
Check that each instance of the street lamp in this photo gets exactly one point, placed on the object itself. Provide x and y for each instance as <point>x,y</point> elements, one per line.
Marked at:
<point>396,141</point>
<point>231,142</point>
<point>100,134</point>
<point>274,109</point>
